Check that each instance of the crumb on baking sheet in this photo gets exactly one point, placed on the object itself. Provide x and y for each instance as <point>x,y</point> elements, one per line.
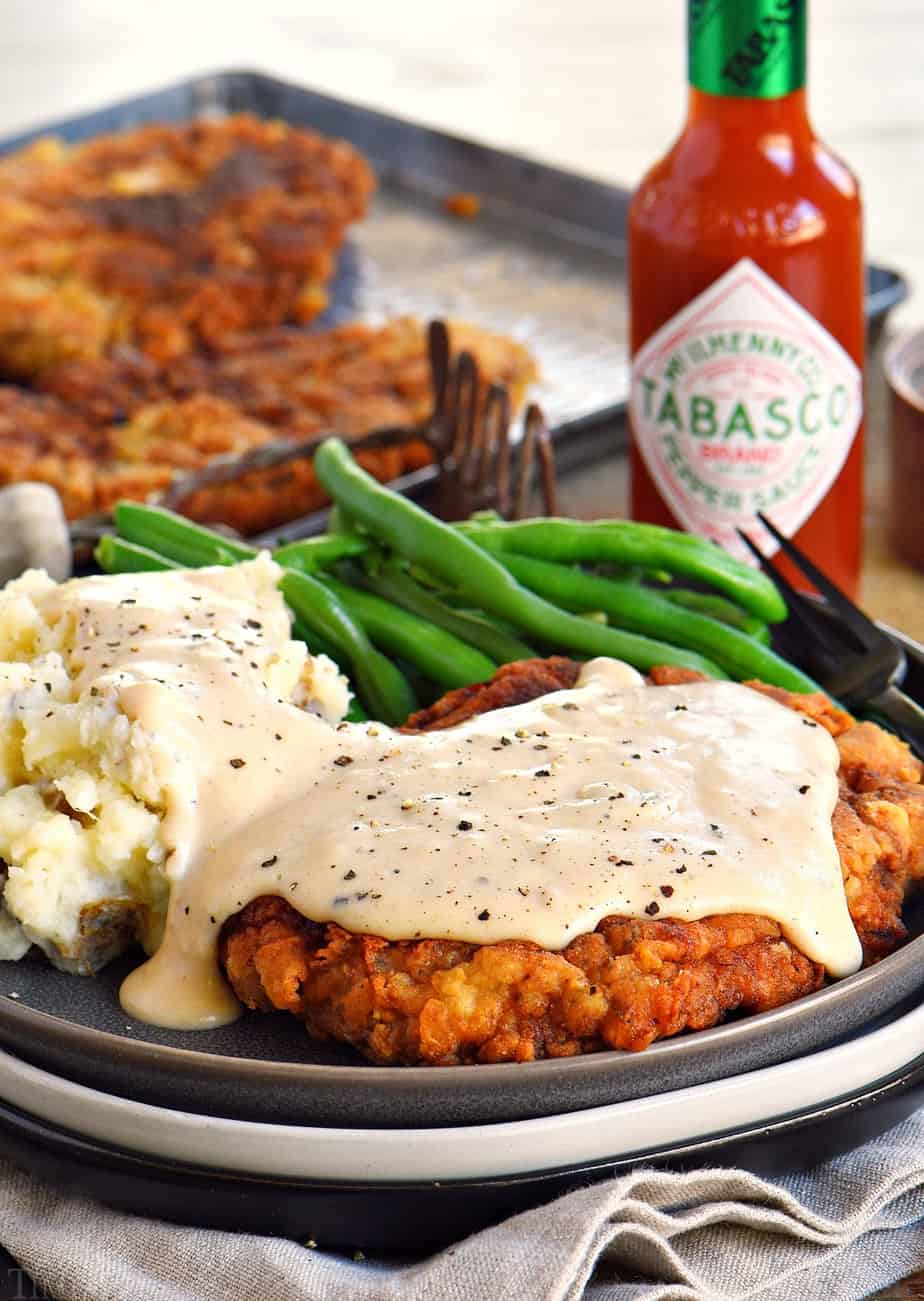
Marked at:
<point>462,204</point>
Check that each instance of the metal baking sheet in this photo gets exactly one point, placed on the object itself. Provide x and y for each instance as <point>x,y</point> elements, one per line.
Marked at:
<point>543,261</point>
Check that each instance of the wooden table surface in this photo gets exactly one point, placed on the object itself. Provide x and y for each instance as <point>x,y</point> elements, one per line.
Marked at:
<point>596,86</point>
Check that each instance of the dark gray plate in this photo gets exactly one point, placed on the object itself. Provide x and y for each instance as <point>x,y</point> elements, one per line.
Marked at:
<point>265,1068</point>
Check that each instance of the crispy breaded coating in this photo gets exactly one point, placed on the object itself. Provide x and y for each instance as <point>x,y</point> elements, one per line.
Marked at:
<point>169,237</point>
<point>626,984</point>
<point>348,380</point>
<point>512,684</point>
<point>440,1003</point>
<point>153,422</point>
<point>352,377</point>
<point>871,758</point>
<point>41,439</point>
<point>154,282</point>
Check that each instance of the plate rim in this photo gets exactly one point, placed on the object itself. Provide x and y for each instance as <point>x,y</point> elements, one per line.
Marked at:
<point>19,1018</point>
<point>904,1077</point>
<point>260,1143</point>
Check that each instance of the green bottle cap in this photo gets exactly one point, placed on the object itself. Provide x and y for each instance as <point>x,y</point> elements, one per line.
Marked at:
<point>752,49</point>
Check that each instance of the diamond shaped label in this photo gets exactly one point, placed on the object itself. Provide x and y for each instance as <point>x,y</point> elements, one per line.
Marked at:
<point>743,402</point>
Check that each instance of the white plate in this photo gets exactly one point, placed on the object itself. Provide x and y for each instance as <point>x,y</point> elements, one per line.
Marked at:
<point>474,1151</point>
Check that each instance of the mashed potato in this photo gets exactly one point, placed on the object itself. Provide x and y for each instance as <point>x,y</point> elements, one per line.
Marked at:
<point>85,784</point>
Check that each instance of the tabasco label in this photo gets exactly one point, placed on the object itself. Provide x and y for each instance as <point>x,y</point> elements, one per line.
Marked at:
<point>743,402</point>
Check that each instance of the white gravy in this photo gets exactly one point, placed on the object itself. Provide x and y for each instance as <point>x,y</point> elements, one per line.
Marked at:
<point>532,822</point>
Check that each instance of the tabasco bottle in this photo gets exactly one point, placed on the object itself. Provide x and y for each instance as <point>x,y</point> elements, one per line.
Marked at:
<point>746,281</point>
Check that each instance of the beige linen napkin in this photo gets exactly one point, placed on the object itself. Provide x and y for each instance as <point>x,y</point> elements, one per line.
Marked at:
<point>836,1233</point>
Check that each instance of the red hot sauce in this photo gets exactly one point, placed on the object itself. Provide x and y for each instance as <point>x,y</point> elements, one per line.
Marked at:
<point>747,320</point>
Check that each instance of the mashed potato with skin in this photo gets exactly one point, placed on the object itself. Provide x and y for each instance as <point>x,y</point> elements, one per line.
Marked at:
<point>84,786</point>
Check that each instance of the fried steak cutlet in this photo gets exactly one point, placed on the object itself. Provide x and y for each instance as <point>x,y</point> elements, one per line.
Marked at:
<point>152,283</point>
<point>169,237</point>
<point>352,377</point>
<point>41,439</point>
<point>628,983</point>
<point>125,426</point>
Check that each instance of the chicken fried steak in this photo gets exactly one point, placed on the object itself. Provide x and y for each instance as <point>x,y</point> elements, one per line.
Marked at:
<point>169,237</point>
<point>626,984</point>
<point>154,286</point>
<point>123,426</point>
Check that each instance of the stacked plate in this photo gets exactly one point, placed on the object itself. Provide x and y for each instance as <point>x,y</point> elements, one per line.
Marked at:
<point>255,1127</point>
<point>308,1141</point>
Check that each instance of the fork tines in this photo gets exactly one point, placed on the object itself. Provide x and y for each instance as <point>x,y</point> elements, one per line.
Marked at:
<point>481,464</point>
<point>812,626</point>
<point>854,618</point>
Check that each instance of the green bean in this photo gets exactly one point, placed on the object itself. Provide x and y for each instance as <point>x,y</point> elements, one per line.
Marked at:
<point>380,684</point>
<point>311,554</point>
<point>462,605</point>
<point>717,607</point>
<point>442,657</point>
<point>338,522</point>
<point>642,610</point>
<point>355,713</point>
<point>427,692</point>
<point>193,545</point>
<point>624,542</point>
<point>318,645</point>
<point>116,556</point>
<point>454,557</point>
<point>395,584</point>
<point>177,538</point>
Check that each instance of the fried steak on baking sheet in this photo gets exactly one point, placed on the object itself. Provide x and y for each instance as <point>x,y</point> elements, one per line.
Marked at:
<point>628,983</point>
<point>169,237</point>
<point>154,420</point>
<point>153,284</point>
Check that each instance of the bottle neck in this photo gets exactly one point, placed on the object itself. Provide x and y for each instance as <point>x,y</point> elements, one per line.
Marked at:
<point>785,113</point>
<point>746,49</point>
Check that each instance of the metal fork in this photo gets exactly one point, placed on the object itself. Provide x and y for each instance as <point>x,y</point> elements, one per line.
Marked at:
<point>851,657</point>
<point>482,464</point>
